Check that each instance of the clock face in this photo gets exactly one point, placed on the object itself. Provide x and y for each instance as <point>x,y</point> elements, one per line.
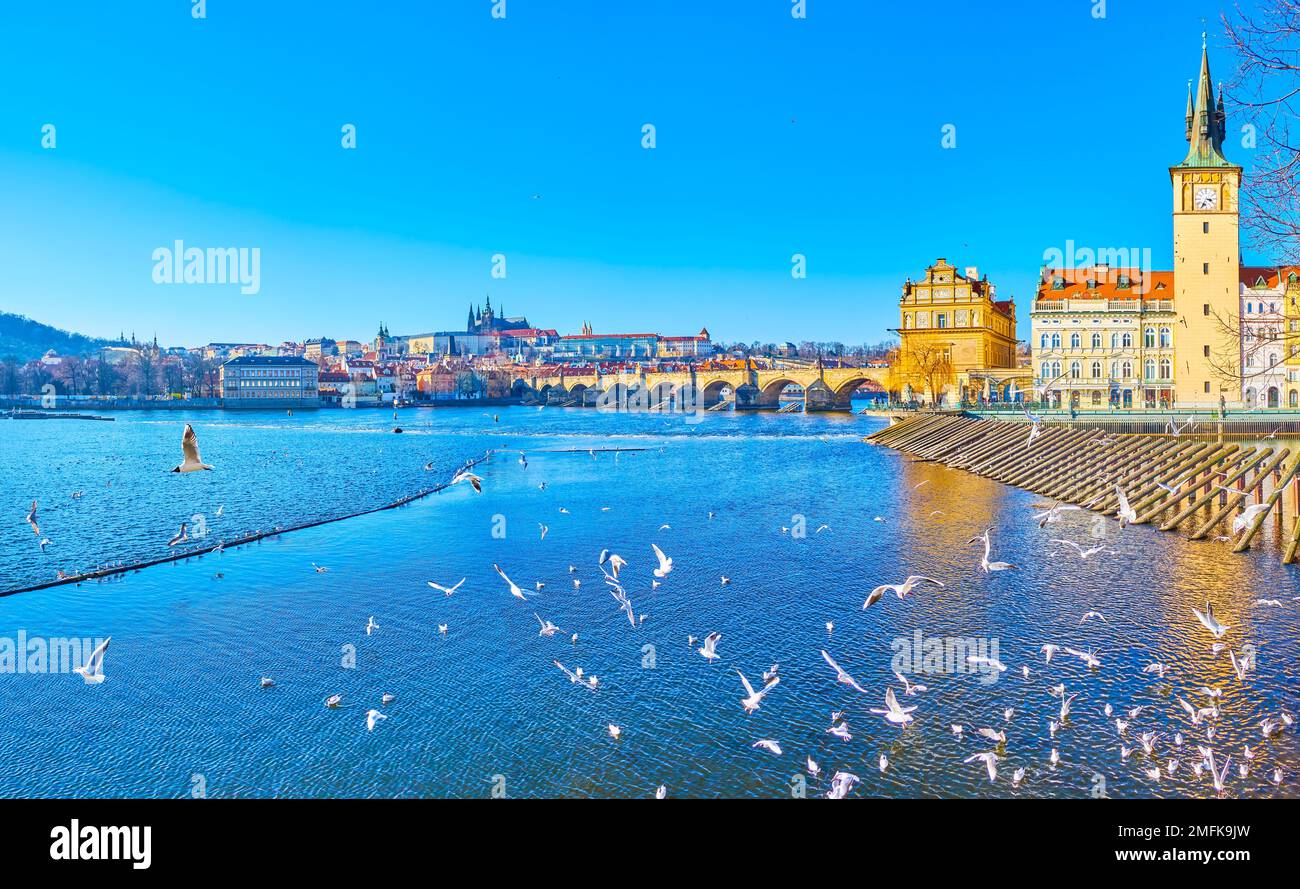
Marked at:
<point>1206,198</point>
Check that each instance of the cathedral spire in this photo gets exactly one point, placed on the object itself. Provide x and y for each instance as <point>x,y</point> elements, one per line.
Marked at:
<point>1206,125</point>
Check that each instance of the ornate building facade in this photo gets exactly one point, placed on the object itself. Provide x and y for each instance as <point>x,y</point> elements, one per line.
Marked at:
<point>952,329</point>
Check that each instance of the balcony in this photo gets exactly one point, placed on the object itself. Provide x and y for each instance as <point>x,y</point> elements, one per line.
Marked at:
<point>1102,306</point>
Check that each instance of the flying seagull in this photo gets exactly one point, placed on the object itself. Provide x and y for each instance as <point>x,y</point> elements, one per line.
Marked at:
<point>840,675</point>
<point>514,590</point>
<point>985,565</point>
<point>1210,622</point>
<point>448,590</point>
<point>93,670</point>
<point>464,475</point>
<point>754,698</point>
<point>893,712</point>
<point>665,563</point>
<point>902,590</point>
<point>190,448</point>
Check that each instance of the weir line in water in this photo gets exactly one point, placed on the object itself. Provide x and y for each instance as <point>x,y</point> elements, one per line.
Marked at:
<point>1170,480</point>
<point>253,537</point>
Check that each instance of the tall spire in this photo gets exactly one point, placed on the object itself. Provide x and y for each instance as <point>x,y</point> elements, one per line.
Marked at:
<point>1206,124</point>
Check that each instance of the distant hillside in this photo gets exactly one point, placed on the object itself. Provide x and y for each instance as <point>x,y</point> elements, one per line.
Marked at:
<point>25,339</point>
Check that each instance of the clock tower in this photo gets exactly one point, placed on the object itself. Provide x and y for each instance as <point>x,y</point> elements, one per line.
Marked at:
<point>1207,255</point>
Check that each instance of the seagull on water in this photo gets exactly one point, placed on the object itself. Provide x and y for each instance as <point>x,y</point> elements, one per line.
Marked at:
<point>841,784</point>
<point>372,719</point>
<point>190,449</point>
<point>548,629</point>
<point>93,670</point>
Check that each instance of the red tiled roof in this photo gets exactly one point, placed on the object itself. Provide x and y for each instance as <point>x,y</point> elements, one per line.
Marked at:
<point>1105,285</point>
<point>1272,275</point>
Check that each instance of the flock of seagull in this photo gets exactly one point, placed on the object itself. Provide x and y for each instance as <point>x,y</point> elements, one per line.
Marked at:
<point>1163,739</point>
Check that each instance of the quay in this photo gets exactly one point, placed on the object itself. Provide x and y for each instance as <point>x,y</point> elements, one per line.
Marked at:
<point>1172,481</point>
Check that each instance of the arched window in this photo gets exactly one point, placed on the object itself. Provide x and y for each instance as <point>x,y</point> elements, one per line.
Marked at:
<point>1126,369</point>
<point>1151,368</point>
<point>1166,337</point>
<point>1042,343</point>
<point>1096,341</point>
<point>1128,340</point>
<point>1294,398</point>
<point>1149,338</point>
<point>1075,341</point>
<point>1076,370</point>
<point>1056,341</point>
<point>1166,369</point>
<point>1114,340</point>
<point>1096,370</point>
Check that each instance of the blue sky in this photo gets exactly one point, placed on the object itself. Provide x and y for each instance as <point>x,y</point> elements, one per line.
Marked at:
<point>775,136</point>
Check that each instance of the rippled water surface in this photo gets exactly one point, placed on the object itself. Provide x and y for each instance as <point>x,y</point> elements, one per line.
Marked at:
<point>483,706</point>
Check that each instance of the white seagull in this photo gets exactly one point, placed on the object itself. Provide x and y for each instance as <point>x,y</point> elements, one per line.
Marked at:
<point>190,449</point>
<point>448,590</point>
<point>665,563</point>
<point>514,590</point>
<point>93,670</point>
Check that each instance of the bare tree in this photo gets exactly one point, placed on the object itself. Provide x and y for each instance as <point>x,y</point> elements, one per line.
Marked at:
<point>930,363</point>
<point>1266,94</point>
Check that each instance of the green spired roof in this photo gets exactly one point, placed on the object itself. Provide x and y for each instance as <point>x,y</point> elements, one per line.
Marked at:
<point>1206,121</point>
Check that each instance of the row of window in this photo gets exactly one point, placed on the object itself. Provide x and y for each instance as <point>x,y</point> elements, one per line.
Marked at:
<point>1119,370</point>
<point>1117,340</point>
<point>271,384</point>
<point>270,372</point>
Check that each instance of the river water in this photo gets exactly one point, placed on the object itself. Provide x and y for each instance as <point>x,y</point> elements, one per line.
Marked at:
<point>483,709</point>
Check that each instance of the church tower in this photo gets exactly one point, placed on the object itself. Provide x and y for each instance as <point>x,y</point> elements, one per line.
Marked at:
<point>1207,255</point>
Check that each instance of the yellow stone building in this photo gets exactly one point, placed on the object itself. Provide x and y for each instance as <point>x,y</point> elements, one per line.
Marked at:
<point>1207,256</point>
<point>954,334</point>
